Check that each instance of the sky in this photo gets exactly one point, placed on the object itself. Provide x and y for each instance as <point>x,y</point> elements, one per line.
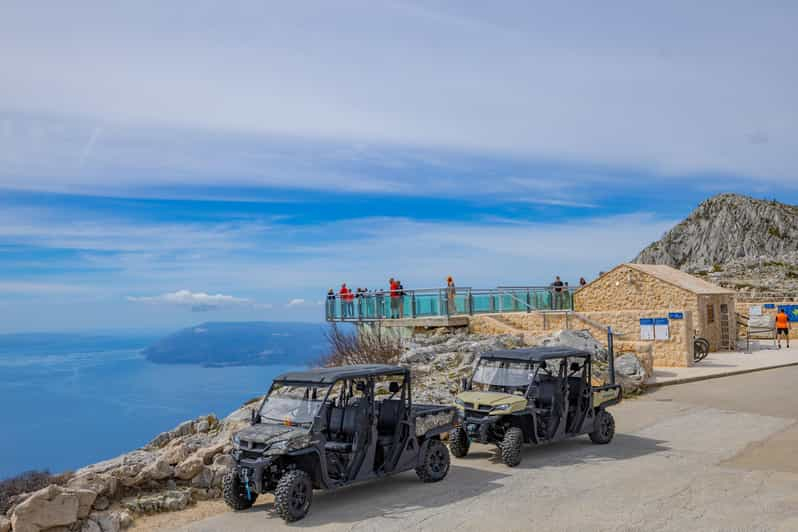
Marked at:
<point>165,164</point>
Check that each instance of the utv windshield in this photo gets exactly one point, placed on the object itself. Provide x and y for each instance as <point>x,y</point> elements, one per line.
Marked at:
<point>293,404</point>
<point>500,375</point>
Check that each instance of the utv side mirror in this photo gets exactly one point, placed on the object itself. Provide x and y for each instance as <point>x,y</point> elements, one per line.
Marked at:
<point>254,417</point>
<point>393,387</point>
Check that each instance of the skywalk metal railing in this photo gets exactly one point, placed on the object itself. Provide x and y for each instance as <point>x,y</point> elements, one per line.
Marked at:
<point>445,302</point>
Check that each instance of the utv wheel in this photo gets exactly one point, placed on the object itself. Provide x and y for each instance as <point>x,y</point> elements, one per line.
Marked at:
<point>510,446</point>
<point>458,442</point>
<point>293,495</point>
<point>434,462</point>
<point>604,428</point>
<point>235,493</point>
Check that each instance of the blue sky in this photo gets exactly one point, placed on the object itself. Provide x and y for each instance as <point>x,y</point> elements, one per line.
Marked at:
<point>241,158</point>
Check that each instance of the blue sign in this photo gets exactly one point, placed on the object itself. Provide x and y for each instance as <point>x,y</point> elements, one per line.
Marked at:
<point>646,321</point>
<point>660,321</point>
<point>792,312</point>
<point>770,305</point>
<point>676,315</point>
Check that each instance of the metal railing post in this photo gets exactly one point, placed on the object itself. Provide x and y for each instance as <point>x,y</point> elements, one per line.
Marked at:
<point>470,301</point>
<point>413,303</point>
<point>528,301</point>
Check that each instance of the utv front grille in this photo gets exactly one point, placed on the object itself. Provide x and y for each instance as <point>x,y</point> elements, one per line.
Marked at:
<point>485,408</point>
<point>468,405</point>
<point>475,414</point>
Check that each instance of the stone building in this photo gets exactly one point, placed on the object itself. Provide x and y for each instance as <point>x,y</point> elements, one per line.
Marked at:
<point>643,288</point>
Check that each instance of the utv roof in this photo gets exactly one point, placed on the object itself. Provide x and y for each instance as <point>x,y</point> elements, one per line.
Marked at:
<point>535,354</point>
<point>330,375</point>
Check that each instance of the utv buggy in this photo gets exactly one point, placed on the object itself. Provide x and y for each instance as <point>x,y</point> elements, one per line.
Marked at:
<point>535,395</point>
<point>327,428</point>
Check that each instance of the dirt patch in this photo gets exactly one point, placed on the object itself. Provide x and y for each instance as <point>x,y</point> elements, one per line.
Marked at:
<point>169,520</point>
<point>776,453</point>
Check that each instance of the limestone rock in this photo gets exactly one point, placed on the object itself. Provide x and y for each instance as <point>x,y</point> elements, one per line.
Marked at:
<point>107,521</point>
<point>86,500</point>
<point>125,519</point>
<point>101,503</point>
<point>737,241</point>
<point>5,524</point>
<point>90,526</point>
<point>167,501</point>
<point>158,470</point>
<point>176,453</point>
<point>189,468</point>
<point>203,479</point>
<point>47,508</point>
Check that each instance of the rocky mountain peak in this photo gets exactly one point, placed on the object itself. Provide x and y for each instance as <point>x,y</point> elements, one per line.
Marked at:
<point>743,242</point>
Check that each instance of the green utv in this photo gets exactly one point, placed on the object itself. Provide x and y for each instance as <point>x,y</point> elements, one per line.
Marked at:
<point>535,395</point>
<point>327,428</point>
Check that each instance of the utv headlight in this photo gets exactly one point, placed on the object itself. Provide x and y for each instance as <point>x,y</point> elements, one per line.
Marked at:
<point>502,407</point>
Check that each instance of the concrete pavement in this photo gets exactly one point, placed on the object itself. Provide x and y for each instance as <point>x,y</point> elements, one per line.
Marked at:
<point>716,455</point>
<point>762,356</point>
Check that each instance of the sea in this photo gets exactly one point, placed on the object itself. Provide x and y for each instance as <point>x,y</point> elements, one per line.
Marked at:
<point>71,400</point>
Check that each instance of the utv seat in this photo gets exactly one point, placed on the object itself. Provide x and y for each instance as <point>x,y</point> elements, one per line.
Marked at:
<point>347,426</point>
<point>390,412</point>
<point>549,391</point>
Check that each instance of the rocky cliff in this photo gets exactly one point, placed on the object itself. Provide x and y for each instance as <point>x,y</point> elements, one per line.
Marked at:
<point>187,464</point>
<point>740,242</point>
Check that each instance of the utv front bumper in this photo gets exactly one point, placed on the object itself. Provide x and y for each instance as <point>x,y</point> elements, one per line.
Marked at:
<point>478,428</point>
<point>258,471</point>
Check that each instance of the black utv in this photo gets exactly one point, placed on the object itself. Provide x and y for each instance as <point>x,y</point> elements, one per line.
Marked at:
<point>535,395</point>
<point>329,427</point>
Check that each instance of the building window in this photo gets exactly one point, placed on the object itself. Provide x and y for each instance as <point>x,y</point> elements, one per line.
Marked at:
<point>710,313</point>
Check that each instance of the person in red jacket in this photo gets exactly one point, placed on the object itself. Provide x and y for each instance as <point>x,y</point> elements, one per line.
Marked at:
<point>395,294</point>
<point>347,302</point>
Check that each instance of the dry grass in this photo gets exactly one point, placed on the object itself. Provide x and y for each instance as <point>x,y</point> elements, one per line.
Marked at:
<point>347,349</point>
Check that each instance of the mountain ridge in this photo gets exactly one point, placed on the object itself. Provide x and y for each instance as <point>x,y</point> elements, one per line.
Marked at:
<point>215,344</point>
<point>738,241</point>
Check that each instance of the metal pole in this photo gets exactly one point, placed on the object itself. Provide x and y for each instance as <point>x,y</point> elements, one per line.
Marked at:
<point>413,303</point>
<point>470,303</point>
<point>610,356</point>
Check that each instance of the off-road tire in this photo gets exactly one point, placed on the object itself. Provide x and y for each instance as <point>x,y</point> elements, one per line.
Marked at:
<point>435,462</point>
<point>235,494</point>
<point>604,428</point>
<point>459,442</point>
<point>510,446</point>
<point>293,495</point>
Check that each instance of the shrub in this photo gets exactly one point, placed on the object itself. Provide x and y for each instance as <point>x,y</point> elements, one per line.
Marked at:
<point>27,482</point>
<point>372,347</point>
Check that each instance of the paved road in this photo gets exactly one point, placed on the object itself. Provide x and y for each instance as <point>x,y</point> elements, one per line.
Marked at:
<point>713,455</point>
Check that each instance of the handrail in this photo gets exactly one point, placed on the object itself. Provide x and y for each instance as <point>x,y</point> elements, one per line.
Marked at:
<point>444,302</point>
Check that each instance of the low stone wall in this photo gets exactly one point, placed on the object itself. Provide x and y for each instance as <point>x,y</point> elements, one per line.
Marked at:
<point>677,351</point>
<point>745,308</point>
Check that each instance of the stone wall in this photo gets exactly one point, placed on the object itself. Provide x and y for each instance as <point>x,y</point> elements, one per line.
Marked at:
<point>745,308</point>
<point>628,289</point>
<point>675,352</point>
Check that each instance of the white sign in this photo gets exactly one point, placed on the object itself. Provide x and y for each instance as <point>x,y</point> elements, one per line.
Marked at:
<point>661,329</point>
<point>646,328</point>
<point>755,311</point>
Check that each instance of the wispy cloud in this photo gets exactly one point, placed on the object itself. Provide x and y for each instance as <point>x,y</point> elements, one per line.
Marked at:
<point>196,301</point>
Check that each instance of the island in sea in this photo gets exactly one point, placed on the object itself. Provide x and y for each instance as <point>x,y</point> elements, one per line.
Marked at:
<point>257,343</point>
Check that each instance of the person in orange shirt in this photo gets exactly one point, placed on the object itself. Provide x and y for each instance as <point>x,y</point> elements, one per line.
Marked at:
<point>394,293</point>
<point>782,327</point>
